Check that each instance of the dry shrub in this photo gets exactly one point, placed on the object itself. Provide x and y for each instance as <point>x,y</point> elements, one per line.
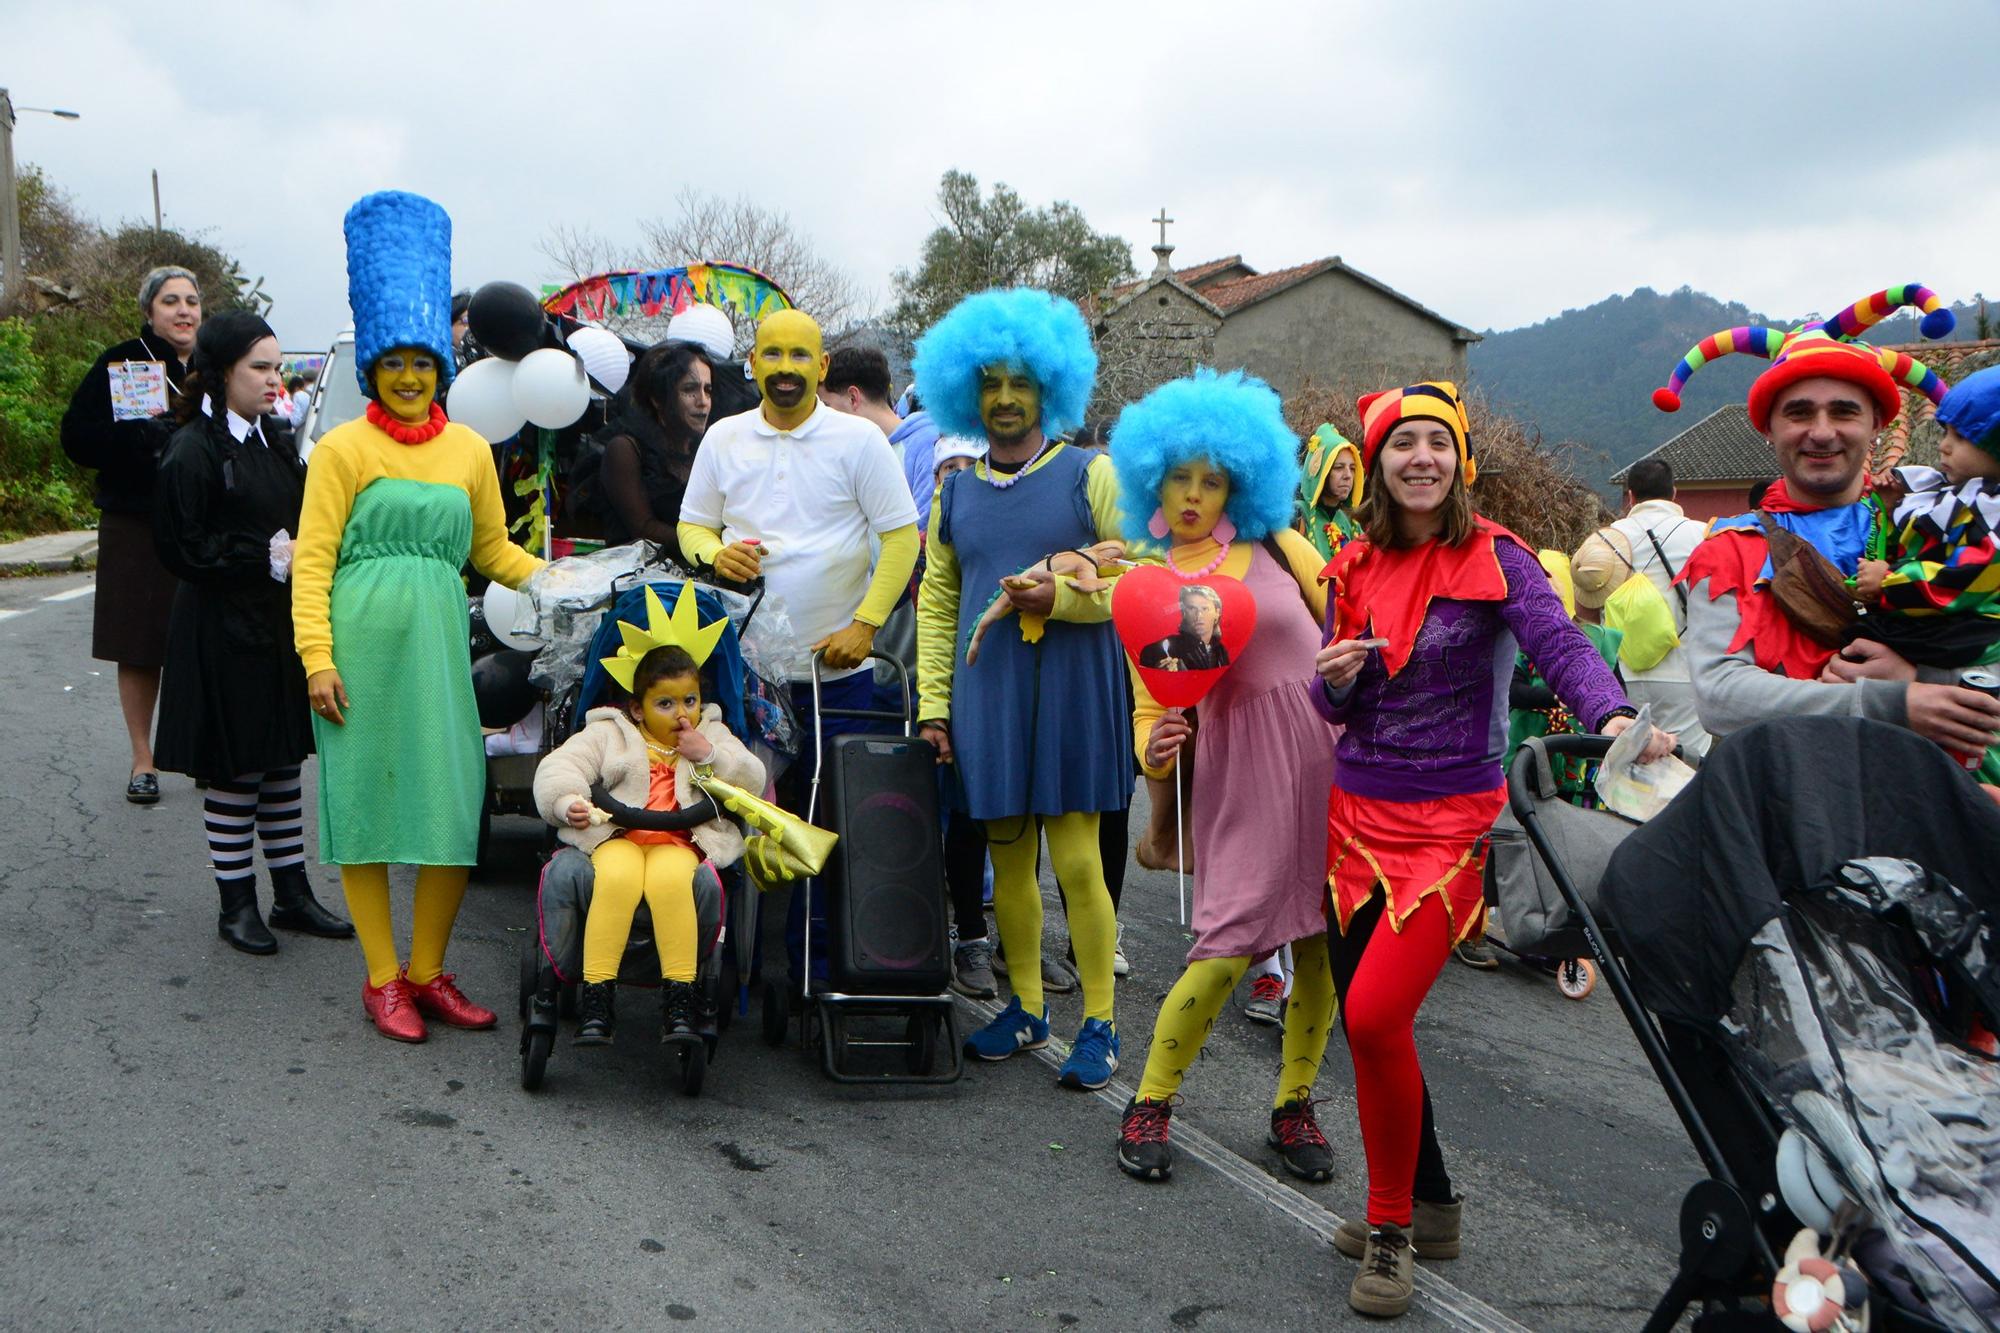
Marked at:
<point>1526,485</point>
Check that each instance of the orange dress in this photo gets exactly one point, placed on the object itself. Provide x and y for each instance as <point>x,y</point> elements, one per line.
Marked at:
<point>660,796</point>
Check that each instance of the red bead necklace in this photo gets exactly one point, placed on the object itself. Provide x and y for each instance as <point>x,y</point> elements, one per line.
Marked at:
<point>401,431</point>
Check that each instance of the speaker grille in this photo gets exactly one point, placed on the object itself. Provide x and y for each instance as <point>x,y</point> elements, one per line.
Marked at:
<point>888,912</point>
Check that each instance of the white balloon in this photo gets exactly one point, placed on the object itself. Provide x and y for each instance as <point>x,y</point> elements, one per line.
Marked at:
<point>603,355</point>
<point>511,617</point>
<point>549,388</point>
<point>482,398</point>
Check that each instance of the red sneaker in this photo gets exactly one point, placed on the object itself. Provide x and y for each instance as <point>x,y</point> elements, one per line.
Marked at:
<point>443,1000</point>
<point>392,1008</point>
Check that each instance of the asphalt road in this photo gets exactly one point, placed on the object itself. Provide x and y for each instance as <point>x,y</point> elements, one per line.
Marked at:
<point>193,1138</point>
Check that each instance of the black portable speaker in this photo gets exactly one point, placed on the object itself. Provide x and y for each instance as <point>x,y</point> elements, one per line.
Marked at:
<point>885,896</point>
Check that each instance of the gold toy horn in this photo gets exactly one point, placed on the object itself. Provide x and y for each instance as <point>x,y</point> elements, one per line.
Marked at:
<point>791,848</point>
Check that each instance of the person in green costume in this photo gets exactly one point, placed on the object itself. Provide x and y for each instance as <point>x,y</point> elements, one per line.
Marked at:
<point>1329,487</point>
<point>395,502</point>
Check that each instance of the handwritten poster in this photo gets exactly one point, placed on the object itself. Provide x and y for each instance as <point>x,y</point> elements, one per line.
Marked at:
<point>138,390</point>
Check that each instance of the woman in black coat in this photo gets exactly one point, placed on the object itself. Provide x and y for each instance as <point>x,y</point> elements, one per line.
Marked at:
<point>233,707</point>
<point>134,590</point>
<point>656,423</point>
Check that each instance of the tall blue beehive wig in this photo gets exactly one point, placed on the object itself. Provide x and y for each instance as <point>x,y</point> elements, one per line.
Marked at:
<point>1233,421</point>
<point>399,280</point>
<point>1021,327</point>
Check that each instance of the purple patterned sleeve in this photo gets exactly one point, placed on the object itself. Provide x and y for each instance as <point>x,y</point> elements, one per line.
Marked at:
<point>1558,648</point>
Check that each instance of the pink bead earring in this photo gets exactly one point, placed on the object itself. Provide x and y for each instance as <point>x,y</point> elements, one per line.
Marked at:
<point>1157,524</point>
<point>1225,531</point>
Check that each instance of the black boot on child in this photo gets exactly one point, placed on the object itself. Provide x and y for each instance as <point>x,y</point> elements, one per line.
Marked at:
<point>677,1012</point>
<point>595,1013</point>
<point>239,923</point>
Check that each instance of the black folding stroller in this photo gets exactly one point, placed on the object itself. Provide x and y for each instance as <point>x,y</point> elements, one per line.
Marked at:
<point>1807,946</point>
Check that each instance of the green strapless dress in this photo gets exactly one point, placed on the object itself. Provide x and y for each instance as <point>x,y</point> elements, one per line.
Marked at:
<point>403,781</point>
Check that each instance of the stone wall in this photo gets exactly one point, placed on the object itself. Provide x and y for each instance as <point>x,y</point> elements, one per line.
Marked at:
<point>1332,330</point>
<point>1159,335</point>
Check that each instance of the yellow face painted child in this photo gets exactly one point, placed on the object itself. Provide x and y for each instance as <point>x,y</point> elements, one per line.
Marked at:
<point>406,383</point>
<point>789,361</point>
<point>670,710</point>
<point>1010,404</point>
<point>1192,500</point>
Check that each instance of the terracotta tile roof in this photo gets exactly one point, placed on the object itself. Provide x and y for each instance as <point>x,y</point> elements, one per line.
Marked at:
<point>1913,437</point>
<point>1722,446</point>
<point>1191,276</point>
<point>1239,292</point>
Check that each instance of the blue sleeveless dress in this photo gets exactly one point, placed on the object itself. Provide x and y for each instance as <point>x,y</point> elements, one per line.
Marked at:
<point>1038,728</point>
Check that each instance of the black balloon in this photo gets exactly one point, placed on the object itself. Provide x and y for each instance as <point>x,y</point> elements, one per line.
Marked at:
<point>501,689</point>
<point>506,319</point>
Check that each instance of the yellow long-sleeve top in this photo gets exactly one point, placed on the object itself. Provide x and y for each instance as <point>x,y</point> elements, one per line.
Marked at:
<point>1304,564</point>
<point>938,595</point>
<point>349,459</point>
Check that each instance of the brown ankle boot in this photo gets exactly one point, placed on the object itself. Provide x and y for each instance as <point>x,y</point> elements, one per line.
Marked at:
<point>1387,1279</point>
<point>1433,1231</point>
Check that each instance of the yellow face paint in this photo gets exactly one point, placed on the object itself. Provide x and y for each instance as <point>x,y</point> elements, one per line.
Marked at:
<point>670,701</point>
<point>406,383</point>
<point>1192,499</point>
<point>789,361</point>
<point>1010,404</point>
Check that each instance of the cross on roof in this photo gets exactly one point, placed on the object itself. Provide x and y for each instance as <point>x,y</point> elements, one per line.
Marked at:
<point>1163,220</point>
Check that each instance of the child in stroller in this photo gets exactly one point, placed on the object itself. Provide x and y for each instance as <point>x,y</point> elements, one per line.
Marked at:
<point>630,762</point>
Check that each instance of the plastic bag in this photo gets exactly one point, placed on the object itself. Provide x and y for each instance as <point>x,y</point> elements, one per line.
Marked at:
<point>1639,791</point>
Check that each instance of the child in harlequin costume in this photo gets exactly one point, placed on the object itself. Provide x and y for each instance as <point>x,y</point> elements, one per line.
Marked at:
<point>1037,730</point>
<point>647,754</point>
<point>396,501</point>
<point>1428,606</point>
<point>1210,459</point>
<point>1329,486</point>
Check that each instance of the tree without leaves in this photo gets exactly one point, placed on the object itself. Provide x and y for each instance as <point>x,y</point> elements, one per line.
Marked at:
<point>998,241</point>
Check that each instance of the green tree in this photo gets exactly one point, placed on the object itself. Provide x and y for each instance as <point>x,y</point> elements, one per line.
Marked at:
<point>997,240</point>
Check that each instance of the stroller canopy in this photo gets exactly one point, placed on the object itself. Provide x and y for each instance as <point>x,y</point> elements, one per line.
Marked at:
<point>1778,807</point>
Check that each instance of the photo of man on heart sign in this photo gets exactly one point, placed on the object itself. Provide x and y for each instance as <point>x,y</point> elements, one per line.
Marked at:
<point>1197,645</point>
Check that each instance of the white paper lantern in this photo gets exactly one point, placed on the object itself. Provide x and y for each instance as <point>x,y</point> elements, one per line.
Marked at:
<point>482,398</point>
<point>550,389</point>
<point>603,355</point>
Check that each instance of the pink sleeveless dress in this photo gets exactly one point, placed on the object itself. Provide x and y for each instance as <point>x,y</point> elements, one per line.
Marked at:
<point>1263,767</point>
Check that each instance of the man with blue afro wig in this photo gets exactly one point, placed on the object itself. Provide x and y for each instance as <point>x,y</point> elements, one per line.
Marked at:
<point>1211,459</point>
<point>1036,725</point>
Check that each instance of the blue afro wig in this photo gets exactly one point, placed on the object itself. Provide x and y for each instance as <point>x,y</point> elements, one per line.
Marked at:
<point>1233,421</point>
<point>399,280</point>
<point>1040,333</point>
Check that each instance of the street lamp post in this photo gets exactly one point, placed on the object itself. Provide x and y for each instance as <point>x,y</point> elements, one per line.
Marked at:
<point>12,274</point>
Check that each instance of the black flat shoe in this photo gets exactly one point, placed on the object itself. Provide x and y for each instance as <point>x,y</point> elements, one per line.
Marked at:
<point>143,789</point>
<point>239,925</point>
<point>293,907</point>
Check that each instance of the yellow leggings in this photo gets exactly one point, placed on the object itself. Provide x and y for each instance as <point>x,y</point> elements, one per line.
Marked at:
<point>1017,904</point>
<point>439,890</point>
<point>663,874</point>
<point>1189,1011</point>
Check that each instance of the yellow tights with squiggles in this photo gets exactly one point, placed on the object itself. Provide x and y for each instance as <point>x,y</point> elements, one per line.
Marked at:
<point>1189,1012</point>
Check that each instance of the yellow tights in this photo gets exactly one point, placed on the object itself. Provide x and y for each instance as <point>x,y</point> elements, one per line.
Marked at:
<point>435,908</point>
<point>1189,1011</point>
<point>1017,904</point>
<point>663,874</point>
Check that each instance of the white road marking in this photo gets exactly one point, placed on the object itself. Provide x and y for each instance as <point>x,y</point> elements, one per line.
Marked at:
<point>9,615</point>
<point>1454,1308</point>
<point>72,594</point>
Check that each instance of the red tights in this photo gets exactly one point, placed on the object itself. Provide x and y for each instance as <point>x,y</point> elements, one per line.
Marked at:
<point>1379,1011</point>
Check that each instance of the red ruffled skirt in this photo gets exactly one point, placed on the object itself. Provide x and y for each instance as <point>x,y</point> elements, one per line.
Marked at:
<point>1410,850</point>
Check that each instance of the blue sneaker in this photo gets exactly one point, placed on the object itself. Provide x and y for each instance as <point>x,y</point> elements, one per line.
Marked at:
<point>1093,1059</point>
<point>1012,1031</point>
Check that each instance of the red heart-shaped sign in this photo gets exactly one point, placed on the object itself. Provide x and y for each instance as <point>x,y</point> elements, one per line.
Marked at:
<point>1181,633</point>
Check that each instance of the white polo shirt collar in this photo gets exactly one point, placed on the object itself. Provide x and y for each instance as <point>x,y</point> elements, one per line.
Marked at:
<point>762,425</point>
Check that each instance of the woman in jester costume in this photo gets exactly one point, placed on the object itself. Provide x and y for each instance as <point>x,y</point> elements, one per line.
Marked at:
<point>395,503</point>
<point>1210,460</point>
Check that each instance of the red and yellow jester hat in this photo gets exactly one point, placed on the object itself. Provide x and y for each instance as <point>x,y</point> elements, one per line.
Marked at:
<point>1433,400</point>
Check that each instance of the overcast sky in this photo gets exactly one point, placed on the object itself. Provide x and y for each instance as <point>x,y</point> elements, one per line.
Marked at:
<point>1494,166</point>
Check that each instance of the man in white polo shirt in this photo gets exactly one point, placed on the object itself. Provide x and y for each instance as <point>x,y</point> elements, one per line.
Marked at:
<point>795,491</point>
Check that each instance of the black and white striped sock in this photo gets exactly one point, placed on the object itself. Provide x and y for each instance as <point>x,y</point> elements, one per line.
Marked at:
<point>281,825</point>
<point>229,808</point>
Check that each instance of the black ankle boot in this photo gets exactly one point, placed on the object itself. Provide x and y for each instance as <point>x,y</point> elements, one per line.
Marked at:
<point>239,923</point>
<point>677,1011</point>
<point>595,1012</point>
<point>293,907</point>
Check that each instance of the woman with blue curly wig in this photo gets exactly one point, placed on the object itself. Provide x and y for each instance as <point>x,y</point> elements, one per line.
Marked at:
<point>1207,475</point>
<point>1035,725</point>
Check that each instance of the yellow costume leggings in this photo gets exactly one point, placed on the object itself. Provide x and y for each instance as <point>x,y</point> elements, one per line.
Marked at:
<point>1189,1011</point>
<point>439,890</point>
<point>1017,904</point>
<point>663,874</point>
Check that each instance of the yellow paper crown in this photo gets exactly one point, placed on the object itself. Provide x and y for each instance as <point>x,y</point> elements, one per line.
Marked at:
<point>683,629</point>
